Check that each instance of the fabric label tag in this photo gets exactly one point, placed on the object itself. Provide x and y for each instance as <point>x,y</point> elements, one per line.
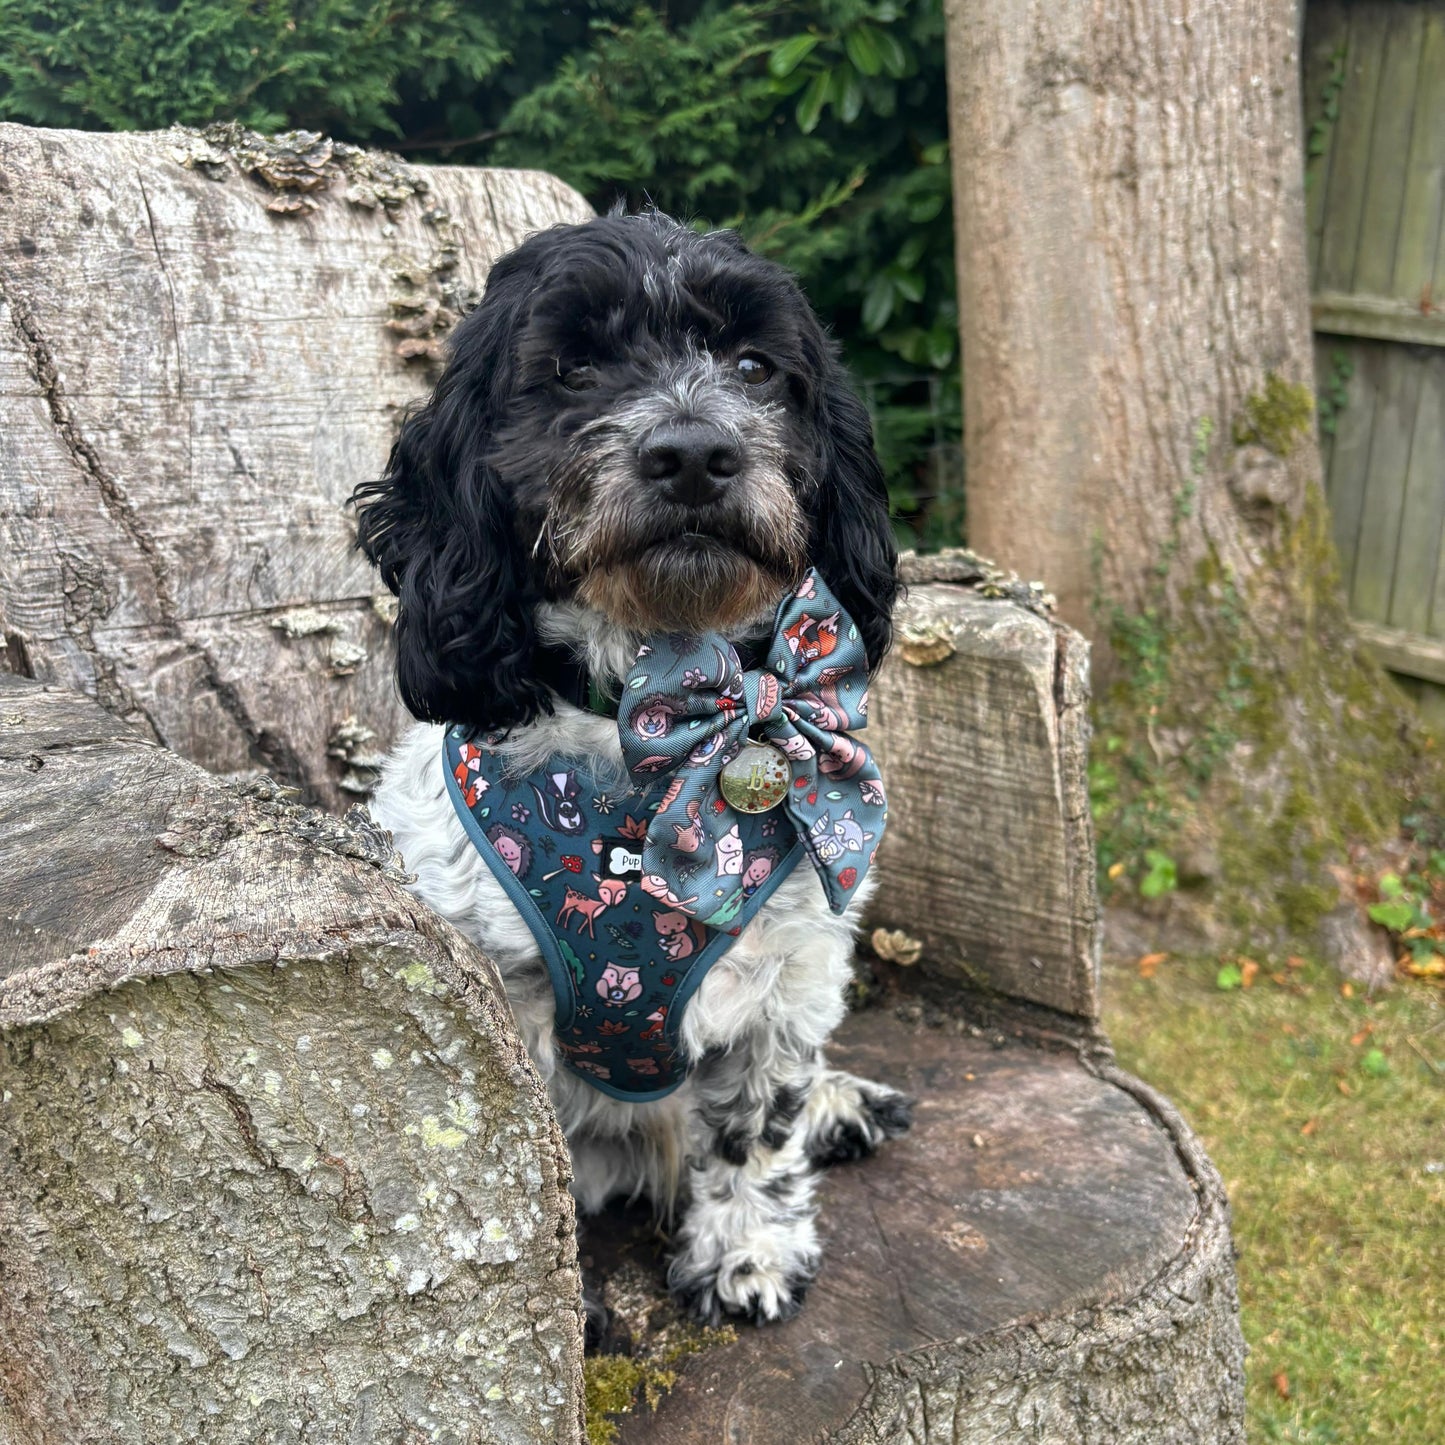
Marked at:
<point>621,859</point>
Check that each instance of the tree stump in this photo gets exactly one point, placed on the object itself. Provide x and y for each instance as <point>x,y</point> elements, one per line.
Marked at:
<point>273,1163</point>
<point>1045,1257</point>
<point>980,722</point>
<point>206,341</point>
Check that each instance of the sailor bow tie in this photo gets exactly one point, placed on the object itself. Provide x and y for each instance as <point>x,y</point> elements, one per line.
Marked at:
<point>750,741</point>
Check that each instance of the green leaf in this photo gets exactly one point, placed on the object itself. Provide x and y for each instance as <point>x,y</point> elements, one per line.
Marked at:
<point>922,210</point>
<point>907,284</point>
<point>810,105</point>
<point>847,94</point>
<point>1391,886</point>
<point>790,55</point>
<point>861,44</point>
<point>892,54</point>
<point>878,302</point>
<point>1396,916</point>
<point>910,253</point>
<point>1229,977</point>
<point>1162,876</point>
<point>1374,1063</point>
<point>942,346</point>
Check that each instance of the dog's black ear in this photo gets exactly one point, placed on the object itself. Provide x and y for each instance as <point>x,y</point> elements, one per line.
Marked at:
<point>853,544</point>
<point>441,528</point>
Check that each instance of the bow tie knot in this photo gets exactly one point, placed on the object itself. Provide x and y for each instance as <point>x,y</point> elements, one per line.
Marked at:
<point>690,709</point>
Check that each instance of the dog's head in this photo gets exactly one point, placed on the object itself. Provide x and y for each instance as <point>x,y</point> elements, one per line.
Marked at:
<point>638,417</point>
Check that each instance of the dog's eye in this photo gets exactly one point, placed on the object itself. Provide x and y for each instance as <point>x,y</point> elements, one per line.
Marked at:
<point>753,370</point>
<point>579,378</point>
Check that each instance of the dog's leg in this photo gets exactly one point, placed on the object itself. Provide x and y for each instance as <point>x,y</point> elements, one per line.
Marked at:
<point>848,1117</point>
<point>748,1244</point>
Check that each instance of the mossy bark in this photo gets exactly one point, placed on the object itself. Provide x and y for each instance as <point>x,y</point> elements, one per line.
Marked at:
<point>1138,424</point>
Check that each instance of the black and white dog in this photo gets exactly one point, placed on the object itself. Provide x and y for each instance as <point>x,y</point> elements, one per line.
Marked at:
<point>641,429</point>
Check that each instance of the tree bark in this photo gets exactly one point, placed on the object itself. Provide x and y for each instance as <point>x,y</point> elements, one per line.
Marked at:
<point>1139,432</point>
<point>205,343</point>
<point>979,721</point>
<point>273,1161</point>
<point>1130,209</point>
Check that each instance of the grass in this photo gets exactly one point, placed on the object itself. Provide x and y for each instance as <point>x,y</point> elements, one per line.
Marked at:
<point>1329,1130</point>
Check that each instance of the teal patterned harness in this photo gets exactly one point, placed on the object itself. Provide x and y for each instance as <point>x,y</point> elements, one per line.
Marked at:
<point>633,893</point>
<point>623,964</point>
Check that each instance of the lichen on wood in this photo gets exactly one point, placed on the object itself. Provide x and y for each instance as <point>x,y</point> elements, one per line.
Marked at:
<point>273,1161</point>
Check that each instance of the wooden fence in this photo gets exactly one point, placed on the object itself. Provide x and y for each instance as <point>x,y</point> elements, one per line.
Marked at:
<point>1374,94</point>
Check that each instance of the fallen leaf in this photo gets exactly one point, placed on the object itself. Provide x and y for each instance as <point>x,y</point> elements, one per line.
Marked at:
<point>1347,989</point>
<point>1248,968</point>
<point>1343,1087</point>
<point>1149,964</point>
<point>1290,1029</point>
<point>1295,961</point>
<point>1432,967</point>
<point>1310,1126</point>
<point>1116,870</point>
<point>1281,1384</point>
<point>1364,1033</point>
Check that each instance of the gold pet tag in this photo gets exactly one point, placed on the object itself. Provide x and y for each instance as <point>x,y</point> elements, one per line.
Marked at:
<point>755,780</point>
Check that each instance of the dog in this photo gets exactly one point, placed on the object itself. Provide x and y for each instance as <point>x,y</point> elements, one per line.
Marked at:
<point>642,429</point>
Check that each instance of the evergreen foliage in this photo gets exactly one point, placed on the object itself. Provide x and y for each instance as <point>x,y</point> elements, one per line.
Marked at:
<point>817,127</point>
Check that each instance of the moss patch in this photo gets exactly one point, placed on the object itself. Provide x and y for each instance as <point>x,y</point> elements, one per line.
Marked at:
<point>1329,1130</point>
<point>1277,417</point>
<point>615,1384</point>
<point>1249,739</point>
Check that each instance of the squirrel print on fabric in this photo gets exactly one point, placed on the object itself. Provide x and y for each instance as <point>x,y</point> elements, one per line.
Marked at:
<point>675,931</point>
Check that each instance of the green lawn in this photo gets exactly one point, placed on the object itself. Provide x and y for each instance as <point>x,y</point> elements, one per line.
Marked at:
<point>1331,1140</point>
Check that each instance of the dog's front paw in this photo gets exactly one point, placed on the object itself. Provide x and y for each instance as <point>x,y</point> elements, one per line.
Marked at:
<point>741,1288</point>
<point>848,1118</point>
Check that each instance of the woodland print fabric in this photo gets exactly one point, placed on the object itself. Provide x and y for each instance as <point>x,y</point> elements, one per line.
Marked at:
<point>632,895</point>
<point>688,708</point>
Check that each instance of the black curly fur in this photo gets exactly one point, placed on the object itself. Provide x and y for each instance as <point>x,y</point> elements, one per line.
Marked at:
<point>452,525</point>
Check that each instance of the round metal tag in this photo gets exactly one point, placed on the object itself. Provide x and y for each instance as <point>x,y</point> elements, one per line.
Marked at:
<point>755,780</point>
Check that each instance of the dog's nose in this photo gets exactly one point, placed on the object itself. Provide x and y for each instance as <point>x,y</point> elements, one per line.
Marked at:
<point>691,462</point>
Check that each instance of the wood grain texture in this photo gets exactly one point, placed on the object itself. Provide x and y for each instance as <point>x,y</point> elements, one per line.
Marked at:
<point>190,386</point>
<point>1128,266</point>
<point>1377,216</point>
<point>988,858</point>
<point>273,1162</point>
<point>1044,1257</point>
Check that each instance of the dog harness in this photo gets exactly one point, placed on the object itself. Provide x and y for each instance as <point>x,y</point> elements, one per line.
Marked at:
<point>633,893</point>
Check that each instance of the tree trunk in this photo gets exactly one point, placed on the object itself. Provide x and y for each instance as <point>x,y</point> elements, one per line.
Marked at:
<point>205,343</point>
<point>1139,430</point>
<point>273,1162</point>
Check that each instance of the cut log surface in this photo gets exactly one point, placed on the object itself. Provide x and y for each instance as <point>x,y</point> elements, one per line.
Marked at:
<point>205,345</point>
<point>1044,1258</point>
<point>980,722</point>
<point>273,1163</point>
